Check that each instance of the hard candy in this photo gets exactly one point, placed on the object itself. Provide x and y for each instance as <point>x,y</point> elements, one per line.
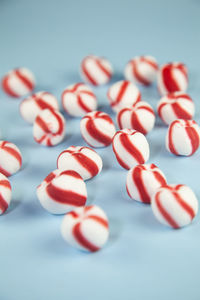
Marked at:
<point>62,191</point>
<point>84,160</point>
<point>49,127</point>
<point>10,158</point>
<point>5,193</point>
<point>174,205</point>
<point>97,129</point>
<point>183,137</point>
<point>130,147</point>
<point>86,228</point>
<point>123,94</point>
<point>78,99</point>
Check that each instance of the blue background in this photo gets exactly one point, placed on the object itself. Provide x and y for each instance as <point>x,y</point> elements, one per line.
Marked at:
<point>143,259</point>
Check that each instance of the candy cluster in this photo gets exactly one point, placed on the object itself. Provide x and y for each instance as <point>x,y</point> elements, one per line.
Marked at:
<point>64,190</point>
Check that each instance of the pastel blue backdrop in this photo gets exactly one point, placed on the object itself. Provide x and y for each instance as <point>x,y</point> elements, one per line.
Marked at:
<point>143,259</point>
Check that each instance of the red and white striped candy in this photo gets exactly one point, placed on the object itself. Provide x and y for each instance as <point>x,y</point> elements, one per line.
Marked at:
<point>172,77</point>
<point>78,99</point>
<point>97,129</point>
<point>96,70</point>
<point>84,160</point>
<point>142,182</point>
<point>140,117</point>
<point>31,106</point>
<point>86,228</point>
<point>141,69</point>
<point>173,106</point>
<point>174,205</point>
<point>62,191</point>
<point>5,193</point>
<point>49,127</point>
<point>130,147</point>
<point>123,94</point>
<point>10,158</point>
<point>18,82</point>
<point>183,137</point>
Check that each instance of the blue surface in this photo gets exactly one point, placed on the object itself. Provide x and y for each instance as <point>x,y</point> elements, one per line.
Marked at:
<point>143,259</point>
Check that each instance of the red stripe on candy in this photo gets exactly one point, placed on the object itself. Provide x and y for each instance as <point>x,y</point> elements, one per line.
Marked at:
<point>87,74</point>
<point>3,204</point>
<point>137,74</point>
<point>164,213</point>
<point>168,79</point>
<point>121,92</point>
<point>96,133</point>
<point>82,240</point>
<point>102,68</point>
<point>99,220</point>
<point>65,196</point>
<point>86,163</point>
<point>24,80</point>
<point>137,179</point>
<point>194,138</point>
<point>170,138</point>
<point>82,104</point>
<point>6,87</point>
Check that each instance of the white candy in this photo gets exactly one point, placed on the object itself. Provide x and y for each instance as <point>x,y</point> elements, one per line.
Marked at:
<point>130,147</point>
<point>78,99</point>
<point>86,228</point>
<point>62,191</point>
<point>142,182</point>
<point>183,137</point>
<point>174,205</point>
<point>141,69</point>
<point>5,193</point>
<point>96,70</point>
<point>49,127</point>
<point>172,77</point>
<point>97,129</point>
<point>18,82</point>
<point>177,105</point>
<point>10,158</point>
<point>31,106</point>
<point>140,117</point>
<point>123,94</point>
<point>85,161</point>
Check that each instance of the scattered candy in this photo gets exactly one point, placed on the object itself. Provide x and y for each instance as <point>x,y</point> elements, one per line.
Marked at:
<point>130,147</point>
<point>97,129</point>
<point>5,193</point>
<point>143,181</point>
<point>18,82</point>
<point>10,158</point>
<point>123,94</point>
<point>140,117</point>
<point>31,106</point>
<point>96,70</point>
<point>183,137</point>
<point>174,205</point>
<point>78,99</point>
<point>172,77</point>
<point>62,191</point>
<point>177,105</point>
<point>49,127</point>
<point>84,160</point>
<point>86,228</point>
<point>141,69</point>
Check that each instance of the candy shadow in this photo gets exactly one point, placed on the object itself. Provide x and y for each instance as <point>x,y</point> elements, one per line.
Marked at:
<point>116,228</point>
<point>147,220</point>
<point>13,205</point>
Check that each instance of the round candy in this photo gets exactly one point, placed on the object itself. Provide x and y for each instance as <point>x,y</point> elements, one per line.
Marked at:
<point>140,117</point>
<point>141,69</point>
<point>31,106</point>
<point>62,191</point>
<point>86,228</point>
<point>78,99</point>
<point>142,182</point>
<point>130,147</point>
<point>173,106</point>
<point>183,137</point>
<point>18,82</point>
<point>5,193</point>
<point>174,205</point>
<point>123,94</point>
<point>96,70</point>
<point>172,77</point>
<point>10,158</point>
<point>97,129</point>
<point>49,127</point>
<point>84,160</point>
